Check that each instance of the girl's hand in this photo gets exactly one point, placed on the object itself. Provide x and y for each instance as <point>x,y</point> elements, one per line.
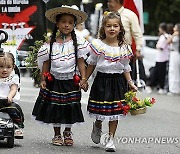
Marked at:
<point>132,86</point>
<point>10,99</point>
<point>83,84</point>
<point>43,84</point>
<point>138,55</point>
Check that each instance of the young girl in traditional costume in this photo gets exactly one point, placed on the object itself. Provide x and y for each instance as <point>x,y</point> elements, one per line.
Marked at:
<point>110,56</point>
<point>59,98</point>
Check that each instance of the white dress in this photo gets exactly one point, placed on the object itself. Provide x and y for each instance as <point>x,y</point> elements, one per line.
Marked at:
<point>174,67</point>
<point>109,86</point>
<point>5,84</point>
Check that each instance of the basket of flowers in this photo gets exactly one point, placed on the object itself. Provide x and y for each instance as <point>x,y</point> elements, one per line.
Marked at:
<point>136,105</point>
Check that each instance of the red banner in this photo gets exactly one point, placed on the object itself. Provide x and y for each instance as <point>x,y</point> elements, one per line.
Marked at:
<point>136,7</point>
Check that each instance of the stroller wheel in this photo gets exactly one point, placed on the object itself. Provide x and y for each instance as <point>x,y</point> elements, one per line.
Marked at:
<point>10,142</point>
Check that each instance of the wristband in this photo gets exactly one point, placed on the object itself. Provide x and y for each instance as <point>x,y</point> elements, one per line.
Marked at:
<point>83,78</point>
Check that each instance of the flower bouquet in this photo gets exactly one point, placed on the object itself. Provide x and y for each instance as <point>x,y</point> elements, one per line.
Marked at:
<point>137,106</point>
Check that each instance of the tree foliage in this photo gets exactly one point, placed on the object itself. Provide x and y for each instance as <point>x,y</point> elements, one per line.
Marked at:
<point>31,60</point>
<point>161,11</point>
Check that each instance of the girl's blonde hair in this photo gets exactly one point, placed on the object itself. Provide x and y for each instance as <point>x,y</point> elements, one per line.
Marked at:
<point>111,15</point>
<point>8,55</point>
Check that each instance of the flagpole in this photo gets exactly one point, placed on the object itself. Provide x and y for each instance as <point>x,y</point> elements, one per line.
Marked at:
<point>46,1</point>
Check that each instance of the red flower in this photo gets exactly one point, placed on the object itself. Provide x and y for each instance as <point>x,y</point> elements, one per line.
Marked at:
<point>120,104</point>
<point>135,99</point>
<point>126,107</point>
<point>48,76</point>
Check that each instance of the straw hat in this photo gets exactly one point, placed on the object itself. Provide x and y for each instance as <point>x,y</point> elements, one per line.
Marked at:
<point>52,13</point>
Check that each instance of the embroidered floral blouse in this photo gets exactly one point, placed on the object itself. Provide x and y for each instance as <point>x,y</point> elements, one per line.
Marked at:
<point>110,59</point>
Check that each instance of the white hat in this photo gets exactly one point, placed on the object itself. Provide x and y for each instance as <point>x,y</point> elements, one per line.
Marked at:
<point>73,10</point>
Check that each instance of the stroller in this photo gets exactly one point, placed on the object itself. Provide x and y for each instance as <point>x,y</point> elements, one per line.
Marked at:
<point>7,126</point>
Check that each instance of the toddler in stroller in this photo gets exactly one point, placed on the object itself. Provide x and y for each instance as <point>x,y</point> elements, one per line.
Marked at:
<point>9,94</point>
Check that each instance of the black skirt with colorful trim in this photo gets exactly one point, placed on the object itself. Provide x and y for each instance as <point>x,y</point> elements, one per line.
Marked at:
<point>106,93</point>
<point>59,103</point>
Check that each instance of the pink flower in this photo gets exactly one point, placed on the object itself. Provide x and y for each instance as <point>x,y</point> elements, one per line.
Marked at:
<point>153,100</point>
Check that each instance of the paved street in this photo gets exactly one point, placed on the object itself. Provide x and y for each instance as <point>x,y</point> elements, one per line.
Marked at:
<point>156,132</point>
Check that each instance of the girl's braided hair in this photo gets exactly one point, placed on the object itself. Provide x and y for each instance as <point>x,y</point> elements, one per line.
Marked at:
<point>74,38</point>
<point>52,40</point>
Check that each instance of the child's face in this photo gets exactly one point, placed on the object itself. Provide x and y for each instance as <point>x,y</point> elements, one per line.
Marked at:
<point>79,27</point>
<point>6,67</point>
<point>112,28</point>
<point>66,24</point>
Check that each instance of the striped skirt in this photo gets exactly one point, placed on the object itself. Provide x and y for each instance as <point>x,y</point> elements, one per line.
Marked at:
<point>59,103</point>
<point>106,93</point>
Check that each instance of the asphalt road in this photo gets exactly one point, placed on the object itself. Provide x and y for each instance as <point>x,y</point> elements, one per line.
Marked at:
<point>156,132</point>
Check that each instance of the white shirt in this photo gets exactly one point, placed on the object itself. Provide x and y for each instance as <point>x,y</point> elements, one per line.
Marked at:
<point>109,59</point>
<point>5,84</point>
<point>163,54</point>
<point>131,26</point>
<point>84,33</point>
<point>63,57</point>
